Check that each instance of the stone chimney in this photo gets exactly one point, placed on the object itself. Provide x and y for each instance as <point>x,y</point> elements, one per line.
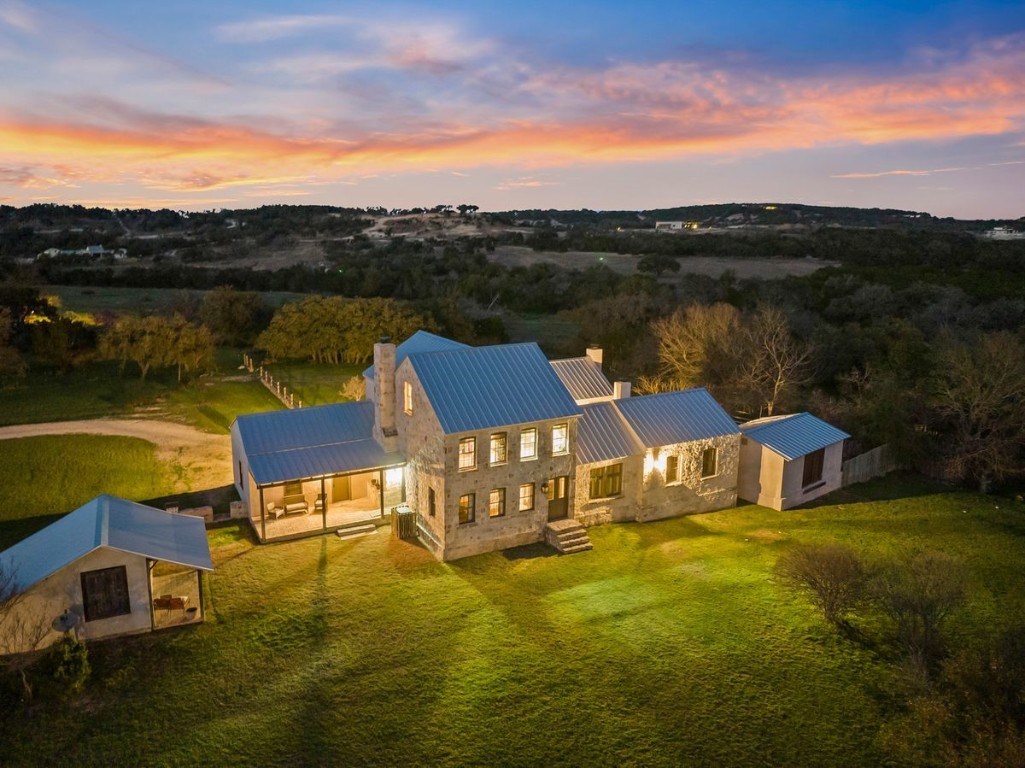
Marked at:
<point>594,354</point>
<point>620,390</point>
<point>384,385</point>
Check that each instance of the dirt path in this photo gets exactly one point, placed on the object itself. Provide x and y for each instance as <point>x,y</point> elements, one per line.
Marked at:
<point>201,460</point>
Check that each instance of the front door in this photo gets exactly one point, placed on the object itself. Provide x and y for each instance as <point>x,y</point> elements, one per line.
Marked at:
<point>558,497</point>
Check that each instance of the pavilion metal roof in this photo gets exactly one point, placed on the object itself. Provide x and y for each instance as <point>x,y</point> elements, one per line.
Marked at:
<point>483,387</point>
<point>603,435</point>
<point>793,435</point>
<point>108,521</point>
<point>312,442</point>
<point>676,417</point>
<point>583,378</point>
<point>421,341</point>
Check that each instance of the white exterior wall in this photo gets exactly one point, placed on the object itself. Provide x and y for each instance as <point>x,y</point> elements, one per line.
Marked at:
<point>766,478</point>
<point>48,599</point>
<point>832,478</point>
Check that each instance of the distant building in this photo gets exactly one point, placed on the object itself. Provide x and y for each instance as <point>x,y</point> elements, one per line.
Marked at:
<point>675,226</point>
<point>1004,233</point>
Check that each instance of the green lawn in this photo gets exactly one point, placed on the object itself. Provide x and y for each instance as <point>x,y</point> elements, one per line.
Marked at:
<point>98,391</point>
<point>670,644</point>
<point>41,477</point>
<point>314,383</point>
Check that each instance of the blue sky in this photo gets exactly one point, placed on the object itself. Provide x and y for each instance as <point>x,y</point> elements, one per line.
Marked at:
<point>567,105</point>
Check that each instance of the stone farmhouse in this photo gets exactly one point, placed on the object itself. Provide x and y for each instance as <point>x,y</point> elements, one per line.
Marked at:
<point>488,448</point>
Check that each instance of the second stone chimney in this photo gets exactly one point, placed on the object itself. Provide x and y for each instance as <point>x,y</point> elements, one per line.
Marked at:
<point>384,384</point>
<point>620,390</point>
<point>595,355</point>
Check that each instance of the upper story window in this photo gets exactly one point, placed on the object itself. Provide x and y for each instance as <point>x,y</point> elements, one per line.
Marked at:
<point>560,439</point>
<point>407,397</point>
<point>709,462</point>
<point>432,502</point>
<point>528,444</point>
<point>467,454</point>
<point>498,454</point>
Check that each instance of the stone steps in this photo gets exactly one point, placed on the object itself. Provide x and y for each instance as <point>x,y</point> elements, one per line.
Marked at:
<point>356,531</point>
<point>567,537</point>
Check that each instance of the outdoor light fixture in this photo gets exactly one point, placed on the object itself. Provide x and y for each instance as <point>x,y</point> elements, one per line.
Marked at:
<point>544,487</point>
<point>393,476</point>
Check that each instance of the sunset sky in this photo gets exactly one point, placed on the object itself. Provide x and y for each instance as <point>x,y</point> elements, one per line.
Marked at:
<point>199,105</point>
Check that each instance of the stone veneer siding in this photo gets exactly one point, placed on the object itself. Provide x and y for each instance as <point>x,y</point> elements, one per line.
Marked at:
<point>433,459</point>
<point>693,493</point>
<point>614,509</point>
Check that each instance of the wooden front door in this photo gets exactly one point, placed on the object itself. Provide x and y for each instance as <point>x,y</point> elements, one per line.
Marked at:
<point>558,497</point>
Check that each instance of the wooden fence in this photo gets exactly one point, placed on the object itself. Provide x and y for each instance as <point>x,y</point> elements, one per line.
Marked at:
<point>875,463</point>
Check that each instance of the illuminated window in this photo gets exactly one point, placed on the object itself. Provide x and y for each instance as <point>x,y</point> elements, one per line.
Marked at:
<point>407,397</point>
<point>466,508</point>
<point>467,454</point>
<point>526,497</point>
<point>432,502</point>
<point>673,469</point>
<point>528,444</point>
<point>607,481</point>
<point>813,467</point>
<point>498,455</point>
<point>560,439</point>
<point>496,502</point>
<point>709,462</point>
<point>105,593</point>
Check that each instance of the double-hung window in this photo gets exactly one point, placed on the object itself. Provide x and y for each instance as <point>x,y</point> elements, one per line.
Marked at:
<point>496,502</point>
<point>560,439</point>
<point>467,454</point>
<point>672,469</point>
<point>466,512</point>
<point>709,462</point>
<point>499,454</point>
<point>813,463</point>
<point>105,593</point>
<point>526,497</point>
<point>528,444</point>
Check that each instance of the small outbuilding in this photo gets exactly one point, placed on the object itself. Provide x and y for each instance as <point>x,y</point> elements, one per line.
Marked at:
<point>111,567</point>
<point>786,461</point>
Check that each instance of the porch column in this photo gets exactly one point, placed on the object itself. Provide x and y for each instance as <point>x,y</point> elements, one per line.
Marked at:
<point>323,502</point>
<point>380,483</point>
<point>199,584</point>
<point>149,588</point>
<point>403,470</point>
<point>263,517</point>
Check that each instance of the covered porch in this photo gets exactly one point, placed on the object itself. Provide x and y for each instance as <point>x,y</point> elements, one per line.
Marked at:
<point>176,595</point>
<point>313,506</point>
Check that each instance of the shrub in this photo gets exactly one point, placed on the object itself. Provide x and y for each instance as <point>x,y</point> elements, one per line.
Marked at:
<point>832,574</point>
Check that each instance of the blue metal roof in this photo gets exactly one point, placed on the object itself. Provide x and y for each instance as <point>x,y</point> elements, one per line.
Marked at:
<point>676,417</point>
<point>312,442</point>
<point>421,341</point>
<point>602,435</point>
<point>482,387</point>
<point>792,436</point>
<point>108,521</point>
<point>583,378</point>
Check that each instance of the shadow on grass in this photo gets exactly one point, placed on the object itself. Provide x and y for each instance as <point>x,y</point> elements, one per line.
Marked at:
<point>895,486</point>
<point>219,498</point>
<point>13,531</point>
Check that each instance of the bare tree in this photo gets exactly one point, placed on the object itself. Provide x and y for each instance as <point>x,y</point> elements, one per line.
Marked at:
<point>919,596</point>
<point>697,344</point>
<point>20,633</point>
<point>774,361</point>
<point>832,575</point>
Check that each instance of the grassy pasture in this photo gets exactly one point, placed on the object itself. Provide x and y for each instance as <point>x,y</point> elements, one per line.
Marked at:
<point>314,383</point>
<point>670,644</point>
<point>41,477</point>
<point>98,391</point>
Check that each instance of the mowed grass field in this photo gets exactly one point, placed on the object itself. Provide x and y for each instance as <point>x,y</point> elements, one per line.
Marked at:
<point>670,644</point>
<point>98,391</point>
<point>315,383</point>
